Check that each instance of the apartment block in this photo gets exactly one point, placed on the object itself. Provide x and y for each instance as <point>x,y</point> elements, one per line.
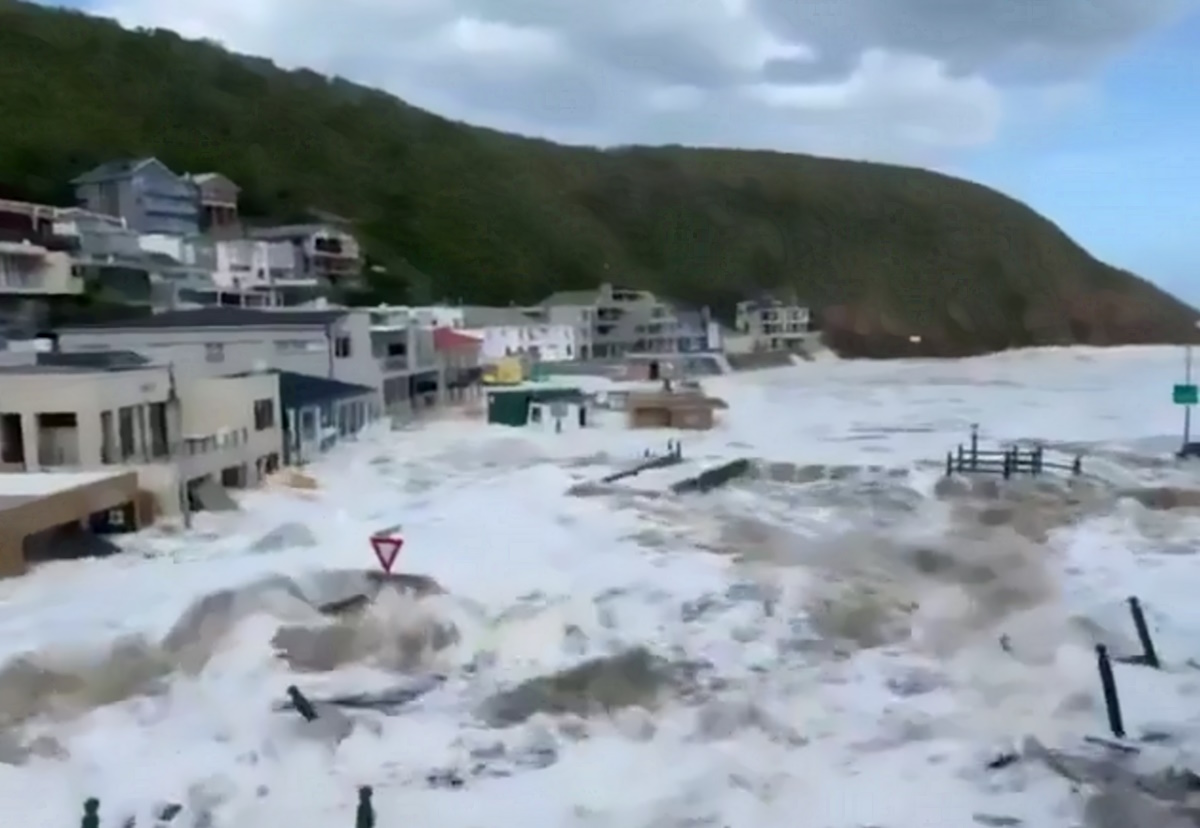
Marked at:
<point>618,321</point>
<point>322,252</point>
<point>773,325</point>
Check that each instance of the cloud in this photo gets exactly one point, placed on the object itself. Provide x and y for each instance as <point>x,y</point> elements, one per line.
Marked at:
<point>906,80</point>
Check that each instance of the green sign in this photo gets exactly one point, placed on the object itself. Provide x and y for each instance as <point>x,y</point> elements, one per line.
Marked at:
<point>1185,395</point>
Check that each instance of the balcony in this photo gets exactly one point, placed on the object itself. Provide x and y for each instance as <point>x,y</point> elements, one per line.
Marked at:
<point>394,364</point>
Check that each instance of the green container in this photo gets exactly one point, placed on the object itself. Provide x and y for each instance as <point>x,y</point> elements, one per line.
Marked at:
<point>509,408</point>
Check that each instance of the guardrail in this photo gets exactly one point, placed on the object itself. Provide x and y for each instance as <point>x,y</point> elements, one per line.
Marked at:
<point>364,814</point>
<point>1006,462</point>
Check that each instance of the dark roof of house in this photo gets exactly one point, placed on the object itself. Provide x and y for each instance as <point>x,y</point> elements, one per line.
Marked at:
<point>89,362</point>
<point>112,169</point>
<point>300,390</point>
<point>218,317</point>
<point>103,360</point>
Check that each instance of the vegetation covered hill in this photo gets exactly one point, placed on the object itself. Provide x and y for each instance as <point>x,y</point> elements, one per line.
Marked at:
<point>452,211</point>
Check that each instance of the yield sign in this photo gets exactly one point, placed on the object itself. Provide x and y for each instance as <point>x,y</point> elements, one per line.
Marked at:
<point>387,549</point>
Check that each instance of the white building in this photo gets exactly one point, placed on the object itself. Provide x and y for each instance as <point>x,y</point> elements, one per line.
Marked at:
<point>515,332</point>
<point>262,271</point>
<point>773,325</point>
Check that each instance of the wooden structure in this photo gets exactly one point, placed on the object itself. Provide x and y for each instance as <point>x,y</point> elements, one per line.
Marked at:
<point>31,503</point>
<point>688,408</point>
<point>1007,462</point>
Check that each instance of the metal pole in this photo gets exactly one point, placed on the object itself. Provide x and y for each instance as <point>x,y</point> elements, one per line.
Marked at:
<point>1187,409</point>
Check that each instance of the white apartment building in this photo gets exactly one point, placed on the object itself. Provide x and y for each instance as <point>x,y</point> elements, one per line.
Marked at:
<point>263,271</point>
<point>515,332</point>
<point>773,325</point>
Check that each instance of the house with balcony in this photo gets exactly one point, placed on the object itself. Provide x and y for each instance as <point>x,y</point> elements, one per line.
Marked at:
<point>402,341</point>
<point>772,325</point>
<point>145,193</point>
<point>261,274</point>
<point>618,321</point>
<point>323,252</point>
<point>217,196</point>
<point>118,410</point>
<point>525,333</point>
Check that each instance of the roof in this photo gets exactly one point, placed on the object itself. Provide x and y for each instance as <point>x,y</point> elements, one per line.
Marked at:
<point>88,362</point>
<point>448,339</point>
<point>208,177</point>
<point>301,390</point>
<point>218,317</point>
<point>113,169</point>
<point>103,360</point>
<point>487,317</point>
<point>291,231</point>
<point>571,297</point>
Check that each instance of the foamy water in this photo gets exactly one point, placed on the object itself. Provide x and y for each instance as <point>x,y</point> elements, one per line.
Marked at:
<point>830,627</point>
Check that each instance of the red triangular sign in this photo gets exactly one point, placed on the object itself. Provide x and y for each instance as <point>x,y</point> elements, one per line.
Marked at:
<point>387,549</point>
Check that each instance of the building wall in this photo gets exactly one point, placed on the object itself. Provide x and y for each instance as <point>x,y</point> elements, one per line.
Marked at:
<point>218,428</point>
<point>545,343</point>
<point>248,263</point>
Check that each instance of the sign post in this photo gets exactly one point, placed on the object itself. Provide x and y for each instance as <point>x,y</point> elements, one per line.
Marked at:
<point>1185,394</point>
<point>386,545</point>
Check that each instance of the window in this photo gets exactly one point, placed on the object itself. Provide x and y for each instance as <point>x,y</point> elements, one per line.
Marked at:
<point>125,436</point>
<point>159,430</point>
<point>341,347</point>
<point>214,352</point>
<point>108,451</point>
<point>264,414</point>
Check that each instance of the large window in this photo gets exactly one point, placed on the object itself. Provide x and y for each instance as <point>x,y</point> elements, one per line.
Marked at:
<point>125,433</point>
<point>341,347</point>
<point>264,414</point>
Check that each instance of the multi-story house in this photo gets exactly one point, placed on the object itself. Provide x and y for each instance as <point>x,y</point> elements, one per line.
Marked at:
<point>218,200</point>
<point>402,342</point>
<point>36,266</point>
<point>772,325</point>
<point>95,411</point>
<point>622,320</point>
<point>527,333</point>
<point>323,252</point>
<point>264,273</point>
<point>145,193</point>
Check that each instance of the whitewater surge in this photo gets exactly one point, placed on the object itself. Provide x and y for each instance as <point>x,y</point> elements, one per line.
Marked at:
<point>837,635</point>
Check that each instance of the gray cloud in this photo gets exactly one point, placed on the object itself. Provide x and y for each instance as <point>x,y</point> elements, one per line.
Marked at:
<point>907,80</point>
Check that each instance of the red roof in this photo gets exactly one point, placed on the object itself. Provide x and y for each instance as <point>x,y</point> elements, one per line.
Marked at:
<point>448,339</point>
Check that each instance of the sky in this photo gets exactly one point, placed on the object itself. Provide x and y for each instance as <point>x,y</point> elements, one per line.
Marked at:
<point>1085,109</point>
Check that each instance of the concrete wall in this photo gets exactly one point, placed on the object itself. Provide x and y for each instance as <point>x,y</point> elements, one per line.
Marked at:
<point>218,425</point>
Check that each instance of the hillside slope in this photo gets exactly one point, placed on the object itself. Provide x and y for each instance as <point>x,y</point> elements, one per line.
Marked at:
<point>881,252</point>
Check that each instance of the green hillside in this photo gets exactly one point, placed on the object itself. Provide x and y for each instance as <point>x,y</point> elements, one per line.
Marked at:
<point>453,211</point>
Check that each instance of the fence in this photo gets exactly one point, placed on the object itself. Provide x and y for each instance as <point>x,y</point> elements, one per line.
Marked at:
<point>364,814</point>
<point>1006,462</point>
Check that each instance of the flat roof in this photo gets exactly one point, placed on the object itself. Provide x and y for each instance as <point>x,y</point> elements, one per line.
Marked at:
<point>19,487</point>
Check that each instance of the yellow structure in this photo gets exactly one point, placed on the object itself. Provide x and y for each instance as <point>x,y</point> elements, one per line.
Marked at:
<point>506,371</point>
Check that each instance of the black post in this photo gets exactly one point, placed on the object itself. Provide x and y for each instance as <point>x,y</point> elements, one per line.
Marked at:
<point>1006,465</point>
<point>1077,465</point>
<point>303,706</point>
<point>962,458</point>
<point>1038,458</point>
<point>1108,683</point>
<point>974,446</point>
<point>1149,654</point>
<point>91,813</point>
<point>364,815</point>
<point>949,463</point>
